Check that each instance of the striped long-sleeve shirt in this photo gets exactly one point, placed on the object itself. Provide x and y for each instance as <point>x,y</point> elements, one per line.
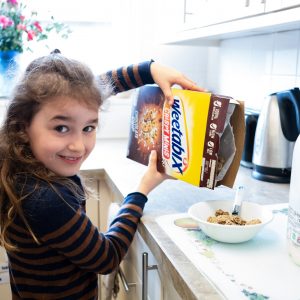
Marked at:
<point>72,250</point>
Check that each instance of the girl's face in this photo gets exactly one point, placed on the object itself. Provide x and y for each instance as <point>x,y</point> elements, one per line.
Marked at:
<point>62,134</point>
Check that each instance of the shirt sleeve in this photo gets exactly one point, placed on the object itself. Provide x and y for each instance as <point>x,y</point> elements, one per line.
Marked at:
<point>128,77</point>
<point>64,227</point>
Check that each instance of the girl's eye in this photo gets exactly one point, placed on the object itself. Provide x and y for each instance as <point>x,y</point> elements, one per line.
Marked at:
<point>89,128</point>
<point>61,128</point>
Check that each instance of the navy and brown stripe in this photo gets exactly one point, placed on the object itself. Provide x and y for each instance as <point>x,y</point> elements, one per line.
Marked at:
<point>126,78</point>
<point>66,263</point>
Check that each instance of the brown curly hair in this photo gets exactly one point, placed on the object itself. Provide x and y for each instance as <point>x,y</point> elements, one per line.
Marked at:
<point>45,78</point>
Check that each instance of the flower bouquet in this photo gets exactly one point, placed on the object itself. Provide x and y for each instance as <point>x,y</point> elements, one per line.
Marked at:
<point>18,28</point>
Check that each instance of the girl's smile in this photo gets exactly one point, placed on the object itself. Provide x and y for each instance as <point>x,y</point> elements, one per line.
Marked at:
<point>62,134</point>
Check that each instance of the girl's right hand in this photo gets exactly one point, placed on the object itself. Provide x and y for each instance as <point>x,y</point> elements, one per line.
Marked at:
<point>165,77</point>
<point>152,178</point>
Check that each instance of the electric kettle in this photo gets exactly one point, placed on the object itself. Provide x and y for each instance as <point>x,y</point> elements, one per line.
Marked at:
<point>277,129</point>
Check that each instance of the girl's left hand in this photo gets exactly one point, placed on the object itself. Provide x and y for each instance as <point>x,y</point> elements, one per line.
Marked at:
<point>152,178</point>
<point>166,77</point>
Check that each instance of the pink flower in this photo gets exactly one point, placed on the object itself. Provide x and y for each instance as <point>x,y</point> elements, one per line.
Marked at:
<point>12,2</point>
<point>30,35</point>
<point>21,27</point>
<point>17,28</point>
<point>6,22</point>
<point>38,26</point>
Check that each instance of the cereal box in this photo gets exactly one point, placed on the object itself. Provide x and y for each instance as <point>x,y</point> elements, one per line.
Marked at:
<point>199,139</point>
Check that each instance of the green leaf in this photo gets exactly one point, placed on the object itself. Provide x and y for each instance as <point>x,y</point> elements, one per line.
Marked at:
<point>13,39</point>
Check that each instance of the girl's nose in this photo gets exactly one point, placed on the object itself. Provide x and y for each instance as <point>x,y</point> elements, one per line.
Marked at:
<point>77,144</point>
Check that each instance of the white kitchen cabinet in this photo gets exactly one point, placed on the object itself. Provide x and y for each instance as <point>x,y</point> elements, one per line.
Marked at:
<point>209,21</point>
<point>138,276</point>
<point>132,268</point>
<point>235,9</point>
<point>280,4</point>
<point>198,13</point>
<point>273,5</point>
<point>138,259</point>
<point>207,12</point>
<point>4,277</point>
<point>5,291</point>
<point>288,3</point>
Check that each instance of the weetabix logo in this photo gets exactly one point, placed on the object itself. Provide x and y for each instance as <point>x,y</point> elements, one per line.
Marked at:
<point>175,150</point>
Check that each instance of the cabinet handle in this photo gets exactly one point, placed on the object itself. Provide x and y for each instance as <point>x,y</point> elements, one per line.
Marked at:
<point>125,283</point>
<point>146,268</point>
<point>247,3</point>
<point>184,11</point>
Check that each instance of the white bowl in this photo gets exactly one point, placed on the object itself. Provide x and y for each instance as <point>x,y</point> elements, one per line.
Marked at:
<point>230,233</point>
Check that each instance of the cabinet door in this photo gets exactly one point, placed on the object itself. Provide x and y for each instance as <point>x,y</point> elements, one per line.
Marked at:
<point>280,4</point>
<point>237,9</point>
<point>5,293</point>
<point>199,13</point>
<point>5,288</point>
<point>287,3</point>
<point>132,267</point>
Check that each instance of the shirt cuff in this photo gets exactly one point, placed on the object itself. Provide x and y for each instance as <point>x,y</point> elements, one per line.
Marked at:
<point>145,72</point>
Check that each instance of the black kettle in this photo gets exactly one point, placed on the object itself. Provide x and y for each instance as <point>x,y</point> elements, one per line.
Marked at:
<point>251,118</point>
<point>277,129</point>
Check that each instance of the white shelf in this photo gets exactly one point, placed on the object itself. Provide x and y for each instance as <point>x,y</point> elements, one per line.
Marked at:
<point>274,21</point>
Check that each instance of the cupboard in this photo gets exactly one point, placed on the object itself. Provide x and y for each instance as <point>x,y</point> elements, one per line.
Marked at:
<point>4,276</point>
<point>203,21</point>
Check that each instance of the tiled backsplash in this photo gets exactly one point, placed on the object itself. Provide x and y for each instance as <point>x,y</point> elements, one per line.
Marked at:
<point>248,68</point>
<point>253,67</point>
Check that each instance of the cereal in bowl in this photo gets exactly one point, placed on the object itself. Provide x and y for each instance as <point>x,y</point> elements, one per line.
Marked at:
<point>225,218</point>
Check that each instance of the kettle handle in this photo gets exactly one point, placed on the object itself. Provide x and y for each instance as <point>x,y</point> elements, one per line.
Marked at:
<point>289,110</point>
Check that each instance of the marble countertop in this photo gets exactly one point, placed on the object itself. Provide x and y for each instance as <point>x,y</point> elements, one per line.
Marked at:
<point>174,196</point>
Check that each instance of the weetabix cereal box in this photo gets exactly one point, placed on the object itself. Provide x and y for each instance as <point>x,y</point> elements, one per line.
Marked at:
<point>199,139</point>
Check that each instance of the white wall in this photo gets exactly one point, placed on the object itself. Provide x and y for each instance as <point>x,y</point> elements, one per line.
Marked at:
<point>253,67</point>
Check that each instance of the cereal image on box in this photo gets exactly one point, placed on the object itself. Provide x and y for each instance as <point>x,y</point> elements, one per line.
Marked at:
<point>149,120</point>
<point>146,120</point>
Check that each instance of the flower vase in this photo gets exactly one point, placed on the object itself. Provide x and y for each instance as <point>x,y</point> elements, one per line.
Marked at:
<point>9,67</point>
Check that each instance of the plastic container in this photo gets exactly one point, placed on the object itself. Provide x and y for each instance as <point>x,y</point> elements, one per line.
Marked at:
<point>293,230</point>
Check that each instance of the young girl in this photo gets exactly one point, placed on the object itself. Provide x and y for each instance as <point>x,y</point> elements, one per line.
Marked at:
<point>53,248</point>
